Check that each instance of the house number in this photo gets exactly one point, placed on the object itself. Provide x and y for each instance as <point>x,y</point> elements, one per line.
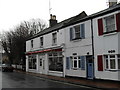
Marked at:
<point>111,51</point>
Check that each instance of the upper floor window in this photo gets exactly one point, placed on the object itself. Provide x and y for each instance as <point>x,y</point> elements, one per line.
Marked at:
<point>41,41</point>
<point>54,38</point>
<point>31,43</point>
<point>109,23</point>
<point>77,32</point>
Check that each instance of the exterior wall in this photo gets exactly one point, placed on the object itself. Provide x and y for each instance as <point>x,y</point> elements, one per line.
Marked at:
<point>27,67</point>
<point>1,51</point>
<point>81,47</point>
<point>119,52</point>
<point>102,44</point>
<point>47,43</point>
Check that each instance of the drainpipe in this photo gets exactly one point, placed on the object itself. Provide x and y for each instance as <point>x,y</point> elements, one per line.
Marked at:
<point>92,47</point>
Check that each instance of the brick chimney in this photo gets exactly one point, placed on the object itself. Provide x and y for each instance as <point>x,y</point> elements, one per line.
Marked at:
<point>112,3</point>
<point>52,20</point>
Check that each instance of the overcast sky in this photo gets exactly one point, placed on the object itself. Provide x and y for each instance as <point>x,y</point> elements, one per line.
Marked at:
<point>12,12</point>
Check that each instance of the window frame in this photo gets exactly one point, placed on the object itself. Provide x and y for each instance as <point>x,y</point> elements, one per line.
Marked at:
<point>105,31</point>
<point>33,60</point>
<point>118,56</point>
<point>41,41</point>
<point>32,44</point>
<point>77,32</point>
<point>78,59</point>
<point>40,64</point>
<point>54,38</point>
<point>109,61</point>
<point>74,32</point>
<point>56,58</point>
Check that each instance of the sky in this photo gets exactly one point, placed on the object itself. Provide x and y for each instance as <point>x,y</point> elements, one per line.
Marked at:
<point>12,12</point>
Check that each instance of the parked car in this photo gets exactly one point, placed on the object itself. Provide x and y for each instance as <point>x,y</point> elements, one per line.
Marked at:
<point>7,68</point>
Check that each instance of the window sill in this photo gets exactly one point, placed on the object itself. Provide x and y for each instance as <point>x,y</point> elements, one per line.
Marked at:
<point>76,40</point>
<point>54,44</point>
<point>110,33</point>
<point>75,68</point>
<point>113,70</point>
<point>41,46</point>
<point>50,71</point>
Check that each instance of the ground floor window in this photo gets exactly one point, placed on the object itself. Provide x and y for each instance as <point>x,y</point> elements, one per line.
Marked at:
<point>55,61</point>
<point>76,62</point>
<point>32,61</point>
<point>112,62</point>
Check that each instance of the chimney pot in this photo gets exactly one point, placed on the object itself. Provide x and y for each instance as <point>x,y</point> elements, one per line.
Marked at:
<point>112,3</point>
<point>52,20</point>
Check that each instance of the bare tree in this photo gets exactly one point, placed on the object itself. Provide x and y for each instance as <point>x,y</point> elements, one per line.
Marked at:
<point>13,42</point>
<point>35,25</point>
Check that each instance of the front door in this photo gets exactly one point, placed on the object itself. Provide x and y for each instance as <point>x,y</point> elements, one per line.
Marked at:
<point>41,63</point>
<point>90,73</point>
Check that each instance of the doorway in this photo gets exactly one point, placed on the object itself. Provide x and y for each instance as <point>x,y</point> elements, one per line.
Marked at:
<point>90,72</point>
<point>41,63</point>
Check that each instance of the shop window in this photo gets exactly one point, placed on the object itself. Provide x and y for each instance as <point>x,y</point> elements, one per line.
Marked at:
<point>32,62</point>
<point>55,61</point>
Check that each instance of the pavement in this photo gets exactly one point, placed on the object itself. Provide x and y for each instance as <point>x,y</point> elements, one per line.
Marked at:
<point>95,83</point>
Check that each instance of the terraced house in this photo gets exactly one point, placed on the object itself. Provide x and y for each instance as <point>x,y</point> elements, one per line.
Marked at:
<point>81,46</point>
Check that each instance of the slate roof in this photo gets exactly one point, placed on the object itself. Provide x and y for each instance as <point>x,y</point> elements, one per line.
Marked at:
<point>76,19</point>
<point>60,25</point>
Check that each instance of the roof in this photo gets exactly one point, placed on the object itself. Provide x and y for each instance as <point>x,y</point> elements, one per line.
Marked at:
<point>76,19</point>
<point>59,25</point>
<point>100,13</point>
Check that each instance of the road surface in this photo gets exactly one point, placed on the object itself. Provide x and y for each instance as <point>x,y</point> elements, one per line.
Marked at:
<point>21,80</point>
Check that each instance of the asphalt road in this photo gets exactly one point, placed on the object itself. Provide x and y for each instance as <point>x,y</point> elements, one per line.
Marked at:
<point>18,80</point>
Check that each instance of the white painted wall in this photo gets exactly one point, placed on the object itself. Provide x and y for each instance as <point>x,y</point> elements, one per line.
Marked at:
<point>28,46</point>
<point>27,65</point>
<point>47,41</point>
<point>102,44</point>
<point>81,47</point>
